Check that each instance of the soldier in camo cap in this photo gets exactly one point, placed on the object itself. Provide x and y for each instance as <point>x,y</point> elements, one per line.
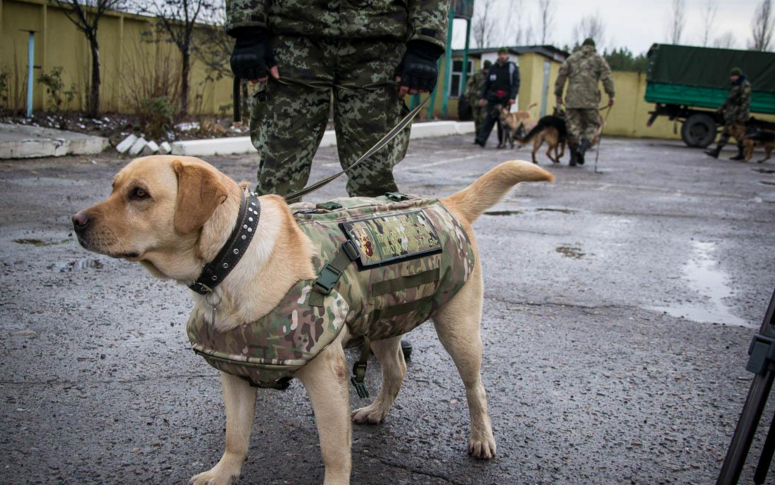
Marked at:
<point>363,57</point>
<point>736,109</point>
<point>583,70</point>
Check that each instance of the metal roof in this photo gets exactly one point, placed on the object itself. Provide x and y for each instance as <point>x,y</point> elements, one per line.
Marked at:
<point>545,50</point>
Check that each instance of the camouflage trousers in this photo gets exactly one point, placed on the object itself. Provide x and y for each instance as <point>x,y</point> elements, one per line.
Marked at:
<point>289,116</point>
<point>479,114</point>
<point>583,123</point>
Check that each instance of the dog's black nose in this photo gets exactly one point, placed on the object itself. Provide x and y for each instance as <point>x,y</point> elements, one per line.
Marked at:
<point>80,221</point>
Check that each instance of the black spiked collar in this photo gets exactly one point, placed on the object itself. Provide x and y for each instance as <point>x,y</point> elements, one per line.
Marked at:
<point>230,254</point>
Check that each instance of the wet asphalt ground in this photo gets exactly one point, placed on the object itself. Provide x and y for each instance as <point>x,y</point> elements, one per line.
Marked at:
<point>619,308</point>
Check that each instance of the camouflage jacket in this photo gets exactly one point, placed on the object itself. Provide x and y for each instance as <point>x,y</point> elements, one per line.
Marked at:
<point>401,20</point>
<point>474,86</point>
<point>737,107</point>
<point>583,70</point>
<point>413,256</point>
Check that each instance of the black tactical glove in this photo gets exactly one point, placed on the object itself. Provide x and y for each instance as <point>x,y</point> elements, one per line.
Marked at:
<point>251,58</point>
<point>418,69</point>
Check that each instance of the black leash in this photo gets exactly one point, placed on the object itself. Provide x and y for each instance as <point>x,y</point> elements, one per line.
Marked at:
<point>230,254</point>
<point>600,139</point>
<point>371,151</point>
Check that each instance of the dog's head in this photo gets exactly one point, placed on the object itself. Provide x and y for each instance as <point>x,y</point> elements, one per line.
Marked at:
<point>155,213</point>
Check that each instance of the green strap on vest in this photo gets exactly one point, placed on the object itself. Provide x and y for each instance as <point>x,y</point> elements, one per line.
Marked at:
<point>331,272</point>
<point>359,370</point>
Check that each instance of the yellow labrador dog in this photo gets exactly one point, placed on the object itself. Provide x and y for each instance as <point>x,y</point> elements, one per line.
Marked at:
<point>173,214</point>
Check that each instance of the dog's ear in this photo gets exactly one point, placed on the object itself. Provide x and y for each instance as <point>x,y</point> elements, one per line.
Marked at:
<point>200,192</point>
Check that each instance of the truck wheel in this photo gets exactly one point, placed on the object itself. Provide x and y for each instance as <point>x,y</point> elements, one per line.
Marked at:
<point>698,131</point>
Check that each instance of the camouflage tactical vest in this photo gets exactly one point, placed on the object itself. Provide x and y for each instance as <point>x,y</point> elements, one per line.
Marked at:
<point>412,256</point>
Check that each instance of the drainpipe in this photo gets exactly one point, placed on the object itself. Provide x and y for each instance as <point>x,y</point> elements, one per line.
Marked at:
<point>30,70</point>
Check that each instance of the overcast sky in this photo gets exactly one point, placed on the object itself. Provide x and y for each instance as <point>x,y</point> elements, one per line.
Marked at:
<point>635,24</point>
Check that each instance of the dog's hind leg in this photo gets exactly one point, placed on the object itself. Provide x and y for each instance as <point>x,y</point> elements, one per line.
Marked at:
<point>391,358</point>
<point>768,154</point>
<point>458,324</point>
<point>240,400</point>
<point>325,378</point>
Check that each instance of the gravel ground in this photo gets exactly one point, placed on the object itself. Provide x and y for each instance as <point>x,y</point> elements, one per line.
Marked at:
<point>619,308</point>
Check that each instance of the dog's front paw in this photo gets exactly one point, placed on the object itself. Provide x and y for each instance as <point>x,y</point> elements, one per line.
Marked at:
<point>213,477</point>
<point>482,449</point>
<point>369,415</point>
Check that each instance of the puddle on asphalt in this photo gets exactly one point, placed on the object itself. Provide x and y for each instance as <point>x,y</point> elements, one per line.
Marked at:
<point>767,182</point>
<point>502,213</point>
<point>40,242</point>
<point>564,211</point>
<point>79,265</point>
<point>570,252</point>
<point>711,283</point>
<point>763,170</point>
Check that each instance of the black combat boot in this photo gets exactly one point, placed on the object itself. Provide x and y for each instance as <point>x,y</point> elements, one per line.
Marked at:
<point>572,156</point>
<point>740,155</point>
<point>406,348</point>
<point>714,152</point>
<point>582,151</point>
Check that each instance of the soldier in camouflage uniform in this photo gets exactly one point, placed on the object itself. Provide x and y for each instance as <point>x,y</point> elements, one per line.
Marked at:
<point>735,110</point>
<point>318,50</point>
<point>473,90</point>
<point>583,70</point>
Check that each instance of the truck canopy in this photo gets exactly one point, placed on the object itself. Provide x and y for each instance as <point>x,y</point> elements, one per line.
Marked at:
<point>699,76</point>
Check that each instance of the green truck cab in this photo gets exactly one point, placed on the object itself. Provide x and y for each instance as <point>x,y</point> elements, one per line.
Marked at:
<point>688,84</point>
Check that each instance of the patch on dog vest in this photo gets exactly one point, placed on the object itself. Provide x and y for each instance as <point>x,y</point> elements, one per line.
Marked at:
<point>393,238</point>
<point>413,257</point>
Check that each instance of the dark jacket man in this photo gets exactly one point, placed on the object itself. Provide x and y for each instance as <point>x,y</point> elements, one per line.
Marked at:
<point>499,91</point>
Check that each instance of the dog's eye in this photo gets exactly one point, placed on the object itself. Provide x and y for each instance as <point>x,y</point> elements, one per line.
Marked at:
<point>138,194</point>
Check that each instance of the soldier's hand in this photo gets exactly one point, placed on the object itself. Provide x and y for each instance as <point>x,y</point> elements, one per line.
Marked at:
<point>512,101</point>
<point>252,57</point>
<point>482,102</point>
<point>559,101</point>
<point>610,101</point>
<point>417,72</point>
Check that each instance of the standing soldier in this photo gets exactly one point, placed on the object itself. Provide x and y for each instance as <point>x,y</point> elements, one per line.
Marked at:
<point>735,110</point>
<point>365,57</point>
<point>474,91</point>
<point>499,91</point>
<point>584,69</point>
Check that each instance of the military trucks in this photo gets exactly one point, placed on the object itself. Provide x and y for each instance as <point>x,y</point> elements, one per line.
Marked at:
<point>688,84</point>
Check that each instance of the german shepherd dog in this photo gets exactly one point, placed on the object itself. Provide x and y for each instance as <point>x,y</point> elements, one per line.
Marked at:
<point>759,138</point>
<point>552,130</point>
<point>515,124</point>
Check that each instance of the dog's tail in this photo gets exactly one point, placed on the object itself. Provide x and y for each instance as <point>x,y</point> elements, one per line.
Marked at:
<point>472,201</point>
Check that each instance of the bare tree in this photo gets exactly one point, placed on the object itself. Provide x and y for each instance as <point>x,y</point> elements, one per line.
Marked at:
<point>546,9</point>
<point>762,27</point>
<point>709,21</point>
<point>725,41</point>
<point>677,21</point>
<point>86,16</point>
<point>590,27</point>
<point>177,18</point>
<point>485,23</point>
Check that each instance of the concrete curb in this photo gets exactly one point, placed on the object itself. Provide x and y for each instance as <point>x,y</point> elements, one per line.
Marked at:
<point>21,141</point>
<point>240,145</point>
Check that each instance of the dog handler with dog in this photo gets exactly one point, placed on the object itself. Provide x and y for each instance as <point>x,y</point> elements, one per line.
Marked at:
<point>366,57</point>
<point>736,109</point>
<point>499,91</point>
<point>583,70</point>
